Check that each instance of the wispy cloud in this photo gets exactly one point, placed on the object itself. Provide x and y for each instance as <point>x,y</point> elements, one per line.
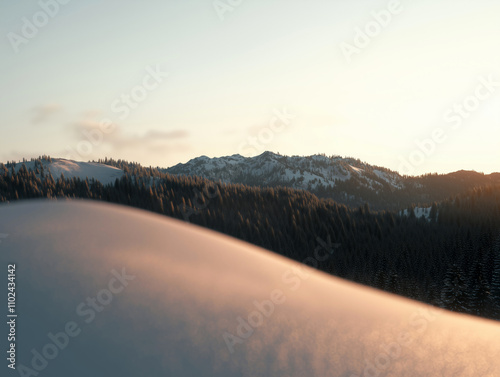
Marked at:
<point>44,112</point>
<point>151,140</point>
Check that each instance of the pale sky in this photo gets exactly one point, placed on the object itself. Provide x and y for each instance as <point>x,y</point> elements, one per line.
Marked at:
<point>179,79</point>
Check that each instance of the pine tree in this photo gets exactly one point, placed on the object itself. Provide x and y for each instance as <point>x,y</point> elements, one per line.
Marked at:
<point>479,291</point>
<point>454,293</point>
<point>434,212</point>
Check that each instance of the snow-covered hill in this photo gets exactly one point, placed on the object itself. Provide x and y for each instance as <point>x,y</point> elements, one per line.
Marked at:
<point>103,290</point>
<point>74,169</point>
<point>310,172</point>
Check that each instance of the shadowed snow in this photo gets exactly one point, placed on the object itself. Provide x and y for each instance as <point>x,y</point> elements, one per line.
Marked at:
<point>185,298</point>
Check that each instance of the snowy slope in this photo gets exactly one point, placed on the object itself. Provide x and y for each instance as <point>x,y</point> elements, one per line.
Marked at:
<point>185,297</point>
<point>77,169</point>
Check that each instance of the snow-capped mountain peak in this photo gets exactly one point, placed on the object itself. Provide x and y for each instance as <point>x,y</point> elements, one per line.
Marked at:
<point>310,172</point>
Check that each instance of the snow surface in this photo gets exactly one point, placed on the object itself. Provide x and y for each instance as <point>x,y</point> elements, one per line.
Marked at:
<point>357,170</point>
<point>392,179</point>
<point>103,173</point>
<point>419,212</point>
<point>76,169</point>
<point>192,287</point>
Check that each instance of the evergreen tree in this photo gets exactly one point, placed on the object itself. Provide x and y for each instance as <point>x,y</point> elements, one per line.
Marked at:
<point>434,212</point>
<point>454,293</point>
<point>479,290</point>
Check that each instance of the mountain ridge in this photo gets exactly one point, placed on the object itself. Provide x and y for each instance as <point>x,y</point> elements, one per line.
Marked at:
<point>345,180</point>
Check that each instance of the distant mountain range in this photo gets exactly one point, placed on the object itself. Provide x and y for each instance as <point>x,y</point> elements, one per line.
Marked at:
<point>346,180</point>
<point>308,173</point>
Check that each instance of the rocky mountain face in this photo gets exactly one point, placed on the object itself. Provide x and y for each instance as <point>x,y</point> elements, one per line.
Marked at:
<point>345,180</point>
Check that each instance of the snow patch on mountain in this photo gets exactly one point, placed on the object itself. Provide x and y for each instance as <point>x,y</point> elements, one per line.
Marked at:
<point>357,170</point>
<point>419,212</point>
